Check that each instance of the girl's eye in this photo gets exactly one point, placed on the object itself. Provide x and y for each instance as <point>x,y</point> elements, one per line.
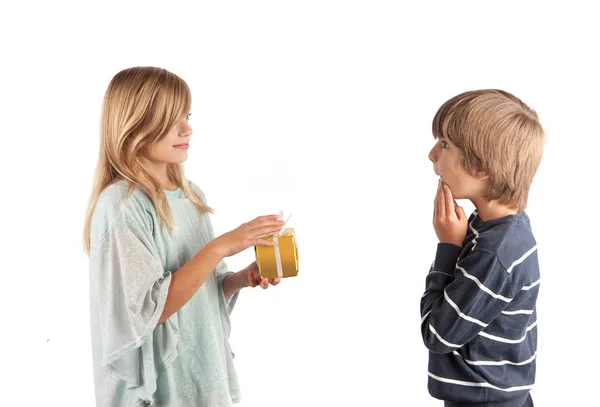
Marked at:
<point>187,117</point>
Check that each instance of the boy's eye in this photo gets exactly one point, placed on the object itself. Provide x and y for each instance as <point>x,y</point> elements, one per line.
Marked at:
<point>444,144</point>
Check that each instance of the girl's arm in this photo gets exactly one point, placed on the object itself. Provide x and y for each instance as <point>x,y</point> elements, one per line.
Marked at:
<point>234,282</point>
<point>248,277</point>
<point>188,279</point>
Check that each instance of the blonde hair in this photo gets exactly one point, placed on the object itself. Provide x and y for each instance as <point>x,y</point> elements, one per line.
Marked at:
<point>499,135</point>
<point>140,107</point>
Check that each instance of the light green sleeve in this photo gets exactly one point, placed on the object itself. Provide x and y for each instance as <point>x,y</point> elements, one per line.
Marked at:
<point>128,289</point>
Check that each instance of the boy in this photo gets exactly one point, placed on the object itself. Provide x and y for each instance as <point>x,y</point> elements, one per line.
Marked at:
<point>478,310</point>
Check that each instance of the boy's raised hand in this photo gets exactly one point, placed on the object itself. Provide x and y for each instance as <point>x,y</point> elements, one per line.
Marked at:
<point>253,277</point>
<point>449,219</point>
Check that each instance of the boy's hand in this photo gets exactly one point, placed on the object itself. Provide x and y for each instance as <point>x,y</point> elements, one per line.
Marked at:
<point>253,277</point>
<point>449,219</point>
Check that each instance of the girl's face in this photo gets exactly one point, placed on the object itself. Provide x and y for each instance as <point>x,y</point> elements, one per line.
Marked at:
<point>172,148</point>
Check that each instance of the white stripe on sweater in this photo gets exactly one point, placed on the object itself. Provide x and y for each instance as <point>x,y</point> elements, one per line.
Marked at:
<point>506,340</point>
<point>529,287</point>
<point>463,316</point>
<point>519,311</point>
<point>522,259</point>
<point>476,233</point>
<point>494,362</point>
<point>479,384</point>
<point>425,316</point>
<point>442,340</point>
<point>482,287</point>
<point>441,272</point>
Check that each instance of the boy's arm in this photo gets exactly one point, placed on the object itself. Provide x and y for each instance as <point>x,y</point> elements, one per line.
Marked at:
<point>454,309</point>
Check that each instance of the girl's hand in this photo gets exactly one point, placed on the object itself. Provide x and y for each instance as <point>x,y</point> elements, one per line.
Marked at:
<point>449,219</point>
<point>253,277</point>
<point>247,235</point>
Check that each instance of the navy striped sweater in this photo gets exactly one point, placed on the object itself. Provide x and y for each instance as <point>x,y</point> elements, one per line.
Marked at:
<point>479,317</point>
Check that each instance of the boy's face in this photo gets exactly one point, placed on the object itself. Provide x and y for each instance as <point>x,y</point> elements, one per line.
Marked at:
<point>447,163</point>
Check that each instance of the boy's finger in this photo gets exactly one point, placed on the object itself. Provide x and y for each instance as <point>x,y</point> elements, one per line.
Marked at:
<point>460,212</point>
<point>449,200</point>
<point>441,205</point>
<point>435,202</point>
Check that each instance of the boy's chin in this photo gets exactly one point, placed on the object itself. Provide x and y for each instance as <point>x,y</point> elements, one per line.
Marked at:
<point>457,195</point>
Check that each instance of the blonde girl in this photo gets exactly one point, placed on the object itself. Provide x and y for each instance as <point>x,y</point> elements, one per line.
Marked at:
<point>160,292</point>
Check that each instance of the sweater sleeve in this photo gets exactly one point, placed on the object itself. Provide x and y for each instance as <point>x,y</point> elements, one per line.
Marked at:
<point>128,289</point>
<point>461,297</point>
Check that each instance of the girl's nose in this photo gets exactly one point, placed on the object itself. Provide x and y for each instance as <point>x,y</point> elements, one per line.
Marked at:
<point>186,129</point>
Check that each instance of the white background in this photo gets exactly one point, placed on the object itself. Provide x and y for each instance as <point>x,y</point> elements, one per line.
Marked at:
<point>322,109</point>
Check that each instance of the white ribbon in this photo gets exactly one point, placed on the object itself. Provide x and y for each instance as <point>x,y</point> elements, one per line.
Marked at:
<point>276,245</point>
<point>280,213</point>
<point>277,256</point>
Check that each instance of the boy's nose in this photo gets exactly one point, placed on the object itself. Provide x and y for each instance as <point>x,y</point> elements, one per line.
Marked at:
<point>432,154</point>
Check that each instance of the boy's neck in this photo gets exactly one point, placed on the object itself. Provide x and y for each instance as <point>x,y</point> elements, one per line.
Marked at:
<point>492,209</point>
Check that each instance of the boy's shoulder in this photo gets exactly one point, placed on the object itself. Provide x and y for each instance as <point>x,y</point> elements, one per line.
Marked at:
<point>509,238</point>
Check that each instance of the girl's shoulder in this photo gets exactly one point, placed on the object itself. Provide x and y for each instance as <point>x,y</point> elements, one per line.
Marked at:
<point>197,190</point>
<point>117,198</point>
<point>118,205</point>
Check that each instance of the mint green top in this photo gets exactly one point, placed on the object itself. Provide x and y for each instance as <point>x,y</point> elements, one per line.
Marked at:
<point>184,362</point>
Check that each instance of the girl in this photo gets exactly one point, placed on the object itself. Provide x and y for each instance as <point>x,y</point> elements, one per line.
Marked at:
<point>160,293</point>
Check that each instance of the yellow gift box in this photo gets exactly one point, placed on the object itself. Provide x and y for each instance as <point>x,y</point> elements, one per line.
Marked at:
<point>281,259</point>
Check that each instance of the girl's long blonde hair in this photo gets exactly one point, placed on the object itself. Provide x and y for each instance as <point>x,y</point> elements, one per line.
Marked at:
<point>140,106</point>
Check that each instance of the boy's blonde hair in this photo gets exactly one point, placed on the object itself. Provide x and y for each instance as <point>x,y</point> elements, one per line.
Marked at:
<point>140,107</point>
<point>498,134</point>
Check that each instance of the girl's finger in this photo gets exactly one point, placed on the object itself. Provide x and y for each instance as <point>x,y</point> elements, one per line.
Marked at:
<point>266,229</point>
<point>260,242</point>
<point>264,218</point>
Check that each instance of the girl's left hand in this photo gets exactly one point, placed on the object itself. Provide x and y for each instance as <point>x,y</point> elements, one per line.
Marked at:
<point>253,277</point>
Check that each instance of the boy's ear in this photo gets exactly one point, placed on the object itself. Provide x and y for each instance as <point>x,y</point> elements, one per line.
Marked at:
<point>481,175</point>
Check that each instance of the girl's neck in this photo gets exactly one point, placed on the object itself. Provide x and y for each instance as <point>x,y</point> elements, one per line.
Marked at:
<point>158,171</point>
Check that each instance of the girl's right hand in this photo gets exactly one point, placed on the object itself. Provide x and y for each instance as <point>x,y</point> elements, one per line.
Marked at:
<point>247,235</point>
